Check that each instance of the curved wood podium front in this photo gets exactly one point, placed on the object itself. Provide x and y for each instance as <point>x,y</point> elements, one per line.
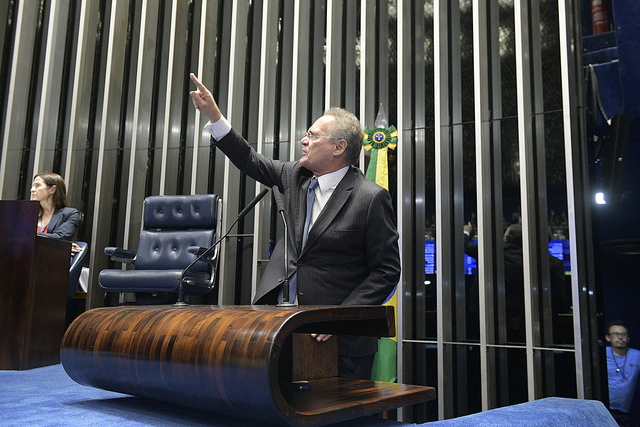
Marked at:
<point>254,362</point>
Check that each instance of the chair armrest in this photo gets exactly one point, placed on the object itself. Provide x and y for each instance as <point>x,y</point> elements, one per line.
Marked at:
<point>120,255</point>
<point>198,250</point>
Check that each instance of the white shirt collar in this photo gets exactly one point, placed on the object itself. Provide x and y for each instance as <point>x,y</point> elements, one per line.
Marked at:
<point>331,180</point>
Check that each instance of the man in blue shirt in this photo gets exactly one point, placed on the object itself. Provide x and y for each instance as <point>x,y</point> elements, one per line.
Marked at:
<point>623,365</point>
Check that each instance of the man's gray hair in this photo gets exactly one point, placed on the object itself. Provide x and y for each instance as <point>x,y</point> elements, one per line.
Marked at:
<point>346,126</point>
<point>513,235</point>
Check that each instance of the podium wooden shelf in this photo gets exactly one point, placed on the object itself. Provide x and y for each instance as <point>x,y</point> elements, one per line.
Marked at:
<point>236,360</point>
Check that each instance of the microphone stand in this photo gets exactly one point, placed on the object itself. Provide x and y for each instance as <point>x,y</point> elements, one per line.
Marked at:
<point>296,385</point>
<point>252,203</point>
<point>285,282</point>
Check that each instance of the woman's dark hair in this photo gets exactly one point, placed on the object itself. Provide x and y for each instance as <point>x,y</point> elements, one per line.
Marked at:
<point>60,196</point>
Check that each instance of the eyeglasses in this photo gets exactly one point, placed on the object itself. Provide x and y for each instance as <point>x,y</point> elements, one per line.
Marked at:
<point>313,137</point>
<point>619,334</point>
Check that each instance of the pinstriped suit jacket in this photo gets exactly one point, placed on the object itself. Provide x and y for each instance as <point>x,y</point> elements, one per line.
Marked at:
<point>351,256</point>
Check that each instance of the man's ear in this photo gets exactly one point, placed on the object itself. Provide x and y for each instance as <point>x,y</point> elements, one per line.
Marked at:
<point>340,147</point>
<point>607,338</point>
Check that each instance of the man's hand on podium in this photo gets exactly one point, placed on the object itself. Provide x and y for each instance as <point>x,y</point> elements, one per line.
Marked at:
<point>321,337</point>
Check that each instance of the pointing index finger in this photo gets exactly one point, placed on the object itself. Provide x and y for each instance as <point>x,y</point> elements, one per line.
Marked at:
<point>197,82</point>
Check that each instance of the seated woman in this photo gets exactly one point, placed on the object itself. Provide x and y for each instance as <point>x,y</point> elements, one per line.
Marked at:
<point>55,218</point>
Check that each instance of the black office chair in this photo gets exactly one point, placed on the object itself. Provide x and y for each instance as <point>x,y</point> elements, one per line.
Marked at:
<point>176,229</point>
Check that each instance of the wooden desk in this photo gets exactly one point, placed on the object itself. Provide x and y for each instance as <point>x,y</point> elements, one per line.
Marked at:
<point>235,360</point>
<point>34,272</point>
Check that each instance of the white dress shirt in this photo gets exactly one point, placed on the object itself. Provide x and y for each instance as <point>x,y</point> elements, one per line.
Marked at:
<point>326,184</point>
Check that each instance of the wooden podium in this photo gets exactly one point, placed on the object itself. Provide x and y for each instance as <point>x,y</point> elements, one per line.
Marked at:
<point>34,277</point>
<point>242,361</point>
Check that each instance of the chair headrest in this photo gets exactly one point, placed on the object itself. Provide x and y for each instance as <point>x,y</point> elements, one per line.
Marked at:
<point>180,212</point>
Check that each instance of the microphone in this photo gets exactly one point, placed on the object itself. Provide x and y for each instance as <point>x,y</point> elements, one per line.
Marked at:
<point>250,206</point>
<point>278,197</point>
<point>246,210</point>
<point>285,282</point>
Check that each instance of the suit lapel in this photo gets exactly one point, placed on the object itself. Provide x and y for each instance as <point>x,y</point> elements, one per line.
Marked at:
<point>55,218</point>
<point>337,200</point>
<point>298,205</point>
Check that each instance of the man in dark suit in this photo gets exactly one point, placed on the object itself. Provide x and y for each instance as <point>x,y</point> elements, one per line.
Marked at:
<point>351,255</point>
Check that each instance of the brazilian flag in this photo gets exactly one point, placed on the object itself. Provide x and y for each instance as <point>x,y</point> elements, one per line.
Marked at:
<point>379,141</point>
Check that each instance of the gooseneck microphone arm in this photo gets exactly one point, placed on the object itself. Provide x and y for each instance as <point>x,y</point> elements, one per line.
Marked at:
<point>285,282</point>
<point>242,213</point>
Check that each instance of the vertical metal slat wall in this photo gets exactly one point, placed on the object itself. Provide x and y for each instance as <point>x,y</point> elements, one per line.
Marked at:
<point>99,92</point>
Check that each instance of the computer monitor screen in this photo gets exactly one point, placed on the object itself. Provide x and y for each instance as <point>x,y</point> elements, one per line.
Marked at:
<point>555,248</point>
<point>558,248</point>
<point>429,257</point>
<point>470,265</point>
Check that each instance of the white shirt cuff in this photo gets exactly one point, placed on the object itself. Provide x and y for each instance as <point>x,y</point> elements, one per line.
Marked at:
<point>219,129</point>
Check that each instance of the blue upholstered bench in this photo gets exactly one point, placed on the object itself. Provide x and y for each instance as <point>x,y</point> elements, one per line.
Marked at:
<point>548,412</point>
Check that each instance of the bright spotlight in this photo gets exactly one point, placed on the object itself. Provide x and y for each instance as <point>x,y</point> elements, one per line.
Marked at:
<point>600,199</point>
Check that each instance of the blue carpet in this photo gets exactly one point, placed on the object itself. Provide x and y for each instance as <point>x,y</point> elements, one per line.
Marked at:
<point>48,397</point>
